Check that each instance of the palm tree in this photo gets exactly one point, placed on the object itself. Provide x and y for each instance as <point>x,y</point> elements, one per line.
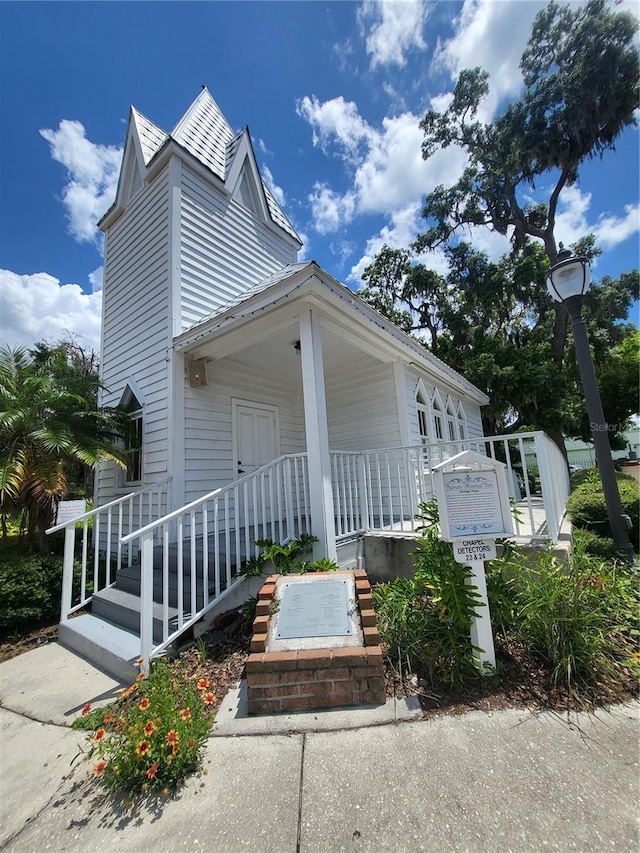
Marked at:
<point>49,421</point>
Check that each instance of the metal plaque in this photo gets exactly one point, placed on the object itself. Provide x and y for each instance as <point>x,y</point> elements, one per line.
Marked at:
<point>314,609</point>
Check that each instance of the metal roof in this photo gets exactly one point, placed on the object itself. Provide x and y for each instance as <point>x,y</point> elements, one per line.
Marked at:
<point>206,134</point>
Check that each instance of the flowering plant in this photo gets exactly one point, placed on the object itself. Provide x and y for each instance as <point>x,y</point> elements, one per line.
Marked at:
<point>152,736</point>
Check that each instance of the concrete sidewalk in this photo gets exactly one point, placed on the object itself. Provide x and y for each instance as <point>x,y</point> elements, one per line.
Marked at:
<point>510,781</point>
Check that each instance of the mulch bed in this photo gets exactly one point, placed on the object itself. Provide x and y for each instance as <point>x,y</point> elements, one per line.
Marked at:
<point>522,682</point>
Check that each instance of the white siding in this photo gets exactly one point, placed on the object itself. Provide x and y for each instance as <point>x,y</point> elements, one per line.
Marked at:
<point>225,249</point>
<point>361,406</point>
<point>136,322</point>
<point>209,463</point>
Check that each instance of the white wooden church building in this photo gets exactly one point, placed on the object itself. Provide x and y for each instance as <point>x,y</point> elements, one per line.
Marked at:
<point>268,399</point>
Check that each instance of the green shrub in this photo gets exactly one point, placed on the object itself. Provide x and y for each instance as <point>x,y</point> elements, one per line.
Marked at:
<point>151,737</point>
<point>594,545</point>
<point>30,587</point>
<point>425,622</point>
<point>587,508</point>
<point>580,617</point>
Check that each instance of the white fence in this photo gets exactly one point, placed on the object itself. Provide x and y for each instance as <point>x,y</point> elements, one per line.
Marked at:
<point>93,543</point>
<point>381,490</point>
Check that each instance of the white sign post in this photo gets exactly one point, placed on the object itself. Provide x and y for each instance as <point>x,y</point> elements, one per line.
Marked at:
<point>473,505</point>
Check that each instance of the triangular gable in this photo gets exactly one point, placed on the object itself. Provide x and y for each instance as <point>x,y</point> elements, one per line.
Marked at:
<point>133,166</point>
<point>204,132</point>
<point>150,136</point>
<point>243,178</point>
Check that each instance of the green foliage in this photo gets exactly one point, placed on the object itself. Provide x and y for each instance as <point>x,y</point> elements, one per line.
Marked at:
<point>594,545</point>
<point>283,557</point>
<point>254,567</point>
<point>49,426</point>
<point>30,586</point>
<point>249,612</point>
<point>579,617</point>
<point>588,510</point>
<point>152,737</point>
<point>425,622</point>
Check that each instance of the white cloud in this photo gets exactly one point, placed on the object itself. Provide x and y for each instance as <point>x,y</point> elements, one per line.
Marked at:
<point>96,278</point>
<point>329,209</point>
<point>490,35</point>
<point>337,120</point>
<point>92,177</point>
<point>39,308</point>
<point>391,29</point>
<point>609,229</point>
<point>278,192</point>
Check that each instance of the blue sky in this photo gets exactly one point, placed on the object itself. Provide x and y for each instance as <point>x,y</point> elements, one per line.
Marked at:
<point>332,94</point>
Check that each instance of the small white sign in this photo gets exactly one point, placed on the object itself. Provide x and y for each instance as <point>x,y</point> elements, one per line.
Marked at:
<point>474,550</point>
<point>68,510</point>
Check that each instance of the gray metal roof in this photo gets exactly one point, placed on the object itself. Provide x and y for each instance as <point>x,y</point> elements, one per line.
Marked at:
<point>206,134</point>
<point>261,286</point>
<point>151,136</point>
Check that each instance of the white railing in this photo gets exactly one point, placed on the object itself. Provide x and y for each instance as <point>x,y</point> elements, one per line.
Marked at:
<point>192,557</point>
<point>93,550</point>
<point>381,490</point>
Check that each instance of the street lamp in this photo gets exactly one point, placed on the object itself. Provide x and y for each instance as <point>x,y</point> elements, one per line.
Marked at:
<point>568,281</point>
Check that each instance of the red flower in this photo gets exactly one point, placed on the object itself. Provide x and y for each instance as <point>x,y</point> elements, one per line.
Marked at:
<point>149,729</point>
<point>99,768</point>
<point>109,718</point>
<point>139,661</point>
<point>202,684</point>
<point>208,698</point>
<point>174,748</point>
<point>144,704</point>
<point>86,709</point>
<point>152,771</point>
<point>185,713</point>
<point>99,735</point>
<point>143,747</point>
<point>140,676</point>
<point>172,737</point>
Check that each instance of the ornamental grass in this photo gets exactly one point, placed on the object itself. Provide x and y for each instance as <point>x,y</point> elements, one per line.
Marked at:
<point>151,738</point>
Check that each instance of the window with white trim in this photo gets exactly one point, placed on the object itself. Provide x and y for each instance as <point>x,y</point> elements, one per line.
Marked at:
<point>133,443</point>
<point>438,426</point>
<point>422,412</point>
<point>462,422</point>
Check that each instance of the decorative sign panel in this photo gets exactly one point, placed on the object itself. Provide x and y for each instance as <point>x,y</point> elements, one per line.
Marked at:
<point>473,503</point>
<point>314,609</point>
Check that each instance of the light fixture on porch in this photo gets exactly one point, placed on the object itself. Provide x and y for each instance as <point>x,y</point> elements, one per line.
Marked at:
<point>568,281</point>
<point>297,347</point>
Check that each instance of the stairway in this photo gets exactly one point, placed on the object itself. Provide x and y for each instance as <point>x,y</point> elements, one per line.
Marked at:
<point>109,636</point>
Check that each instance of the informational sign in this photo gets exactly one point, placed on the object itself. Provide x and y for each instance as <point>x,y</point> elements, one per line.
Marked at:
<point>68,510</point>
<point>473,503</point>
<point>314,609</point>
<point>473,498</point>
<point>474,550</point>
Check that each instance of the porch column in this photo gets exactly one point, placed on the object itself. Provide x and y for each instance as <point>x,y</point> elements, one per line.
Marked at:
<point>317,435</point>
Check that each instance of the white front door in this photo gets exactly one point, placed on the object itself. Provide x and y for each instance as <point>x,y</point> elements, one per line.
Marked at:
<point>255,434</point>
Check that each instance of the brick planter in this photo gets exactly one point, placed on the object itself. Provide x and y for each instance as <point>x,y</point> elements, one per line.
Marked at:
<point>314,678</point>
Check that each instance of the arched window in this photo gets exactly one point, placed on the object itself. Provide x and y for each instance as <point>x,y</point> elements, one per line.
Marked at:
<point>462,422</point>
<point>422,411</point>
<point>133,442</point>
<point>438,413</point>
<point>451,420</point>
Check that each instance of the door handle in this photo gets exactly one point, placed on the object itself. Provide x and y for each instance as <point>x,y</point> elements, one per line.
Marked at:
<point>240,471</point>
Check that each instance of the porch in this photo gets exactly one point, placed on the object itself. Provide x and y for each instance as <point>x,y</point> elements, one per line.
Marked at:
<point>148,576</point>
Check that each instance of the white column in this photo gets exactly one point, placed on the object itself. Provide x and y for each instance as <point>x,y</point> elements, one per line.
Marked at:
<point>481,632</point>
<point>317,435</point>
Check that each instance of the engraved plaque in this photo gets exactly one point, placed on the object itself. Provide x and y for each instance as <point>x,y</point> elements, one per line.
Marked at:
<point>314,609</point>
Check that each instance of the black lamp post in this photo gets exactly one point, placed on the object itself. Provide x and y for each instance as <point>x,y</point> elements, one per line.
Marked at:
<point>568,281</point>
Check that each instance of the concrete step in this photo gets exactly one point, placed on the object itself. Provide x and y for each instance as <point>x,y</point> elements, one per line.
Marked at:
<point>123,609</point>
<point>105,645</point>
<point>128,580</point>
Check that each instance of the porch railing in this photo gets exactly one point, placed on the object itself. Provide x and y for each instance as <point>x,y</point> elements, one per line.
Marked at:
<point>381,490</point>
<point>93,550</point>
<point>193,557</point>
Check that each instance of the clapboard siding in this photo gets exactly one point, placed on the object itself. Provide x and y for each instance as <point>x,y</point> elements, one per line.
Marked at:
<point>361,407</point>
<point>225,249</point>
<point>136,323</point>
<point>209,461</point>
